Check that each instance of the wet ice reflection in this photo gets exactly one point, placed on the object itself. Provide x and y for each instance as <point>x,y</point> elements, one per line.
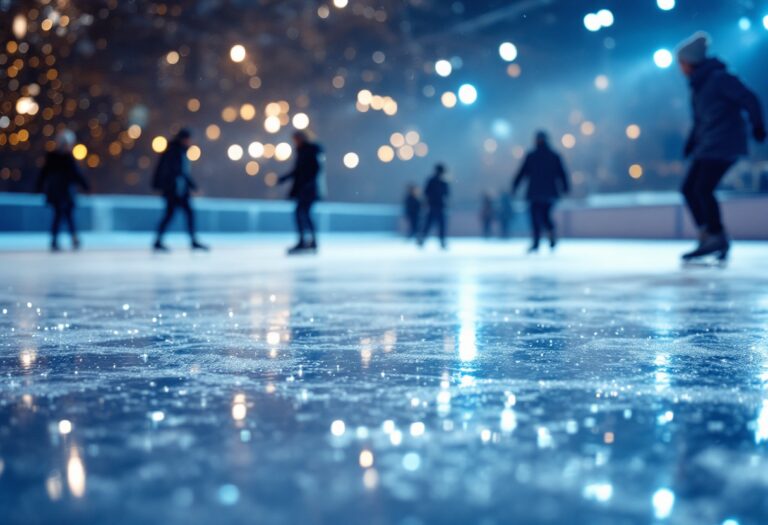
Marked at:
<point>331,391</point>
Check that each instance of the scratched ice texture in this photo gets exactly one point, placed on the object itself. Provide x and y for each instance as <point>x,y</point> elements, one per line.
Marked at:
<point>380,384</point>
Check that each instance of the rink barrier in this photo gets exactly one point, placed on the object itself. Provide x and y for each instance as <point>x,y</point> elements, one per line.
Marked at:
<point>637,215</point>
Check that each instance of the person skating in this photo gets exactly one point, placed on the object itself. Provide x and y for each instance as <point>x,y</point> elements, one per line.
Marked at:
<point>305,190</point>
<point>547,181</point>
<point>436,193</point>
<point>59,177</point>
<point>487,214</point>
<point>717,139</point>
<point>412,210</point>
<point>173,179</point>
<point>505,214</point>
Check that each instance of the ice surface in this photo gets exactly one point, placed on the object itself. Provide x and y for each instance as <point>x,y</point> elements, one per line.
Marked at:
<point>379,384</point>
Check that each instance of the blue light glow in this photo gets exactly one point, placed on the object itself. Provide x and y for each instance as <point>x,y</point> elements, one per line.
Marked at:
<point>663,58</point>
<point>467,94</point>
<point>745,23</point>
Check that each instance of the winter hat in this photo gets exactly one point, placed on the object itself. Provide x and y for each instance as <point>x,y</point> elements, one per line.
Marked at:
<point>694,50</point>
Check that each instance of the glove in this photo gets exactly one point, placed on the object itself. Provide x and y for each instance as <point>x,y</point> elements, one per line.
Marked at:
<point>759,134</point>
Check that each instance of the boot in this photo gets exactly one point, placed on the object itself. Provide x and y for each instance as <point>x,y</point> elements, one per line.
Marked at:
<point>552,239</point>
<point>75,243</point>
<point>199,246</point>
<point>716,244</point>
<point>160,247</point>
<point>303,248</point>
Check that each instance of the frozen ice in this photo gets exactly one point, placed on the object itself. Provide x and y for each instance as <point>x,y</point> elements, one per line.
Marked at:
<point>381,384</point>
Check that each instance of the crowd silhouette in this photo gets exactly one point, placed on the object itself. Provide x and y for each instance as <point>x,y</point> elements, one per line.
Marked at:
<point>719,136</point>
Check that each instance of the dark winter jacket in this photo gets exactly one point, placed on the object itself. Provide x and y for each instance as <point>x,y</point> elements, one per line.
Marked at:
<point>58,178</point>
<point>306,173</point>
<point>545,174</point>
<point>173,174</point>
<point>437,192</point>
<point>719,100</point>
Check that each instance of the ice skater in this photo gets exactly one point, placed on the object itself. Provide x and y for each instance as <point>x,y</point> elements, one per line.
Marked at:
<point>58,179</point>
<point>505,214</point>
<point>547,182</point>
<point>487,214</point>
<point>305,190</point>
<point>718,138</point>
<point>412,210</point>
<point>436,193</point>
<point>173,178</point>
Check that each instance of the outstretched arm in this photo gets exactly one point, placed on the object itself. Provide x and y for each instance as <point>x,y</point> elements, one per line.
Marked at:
<point>733,89</point>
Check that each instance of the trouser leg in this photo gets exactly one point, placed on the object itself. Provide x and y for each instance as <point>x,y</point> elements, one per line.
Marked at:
<point>710,175</point>
<point>186,207</point>
<point>69,218</point>
<point>170,209</point>
<point>56,225</point>
<point>442,227</point>
<point>690,194</point>
<point>535,211</point>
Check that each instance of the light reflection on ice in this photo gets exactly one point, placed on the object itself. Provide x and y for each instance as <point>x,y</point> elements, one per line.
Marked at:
<point>467,320</point>
<point>761,430</point>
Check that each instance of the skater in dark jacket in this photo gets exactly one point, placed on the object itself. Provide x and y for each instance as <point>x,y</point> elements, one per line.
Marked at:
<point>412,210</point>
<point>718,138</point>
<point>547,181</point>
<point>173,179</point>
<point>305,190</point>
<point>58,178</point>
<point>436,193</point>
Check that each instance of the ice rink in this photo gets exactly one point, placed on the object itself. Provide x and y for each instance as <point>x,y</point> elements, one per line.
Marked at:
<point>378,384</point>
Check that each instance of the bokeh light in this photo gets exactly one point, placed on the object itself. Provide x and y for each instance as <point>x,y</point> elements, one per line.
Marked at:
<point>666,5</point>
<point>635,171</point>
<point>256,150</point>
<point>663,58</point>
<point>568,141</point>
<point>235,152</point>
<point>237,53</point>
<point>443,68</point>
<point>448,99</point>
<point>300,121</point>
<point>351,160</point>
<point>283,151</point>
<point>386,153</point>
<point>194,153</point>
<point>467,94</point>
<point>508,51</point>
<point>159,144</point>
<point>80,151</point>
<point>633,131</point>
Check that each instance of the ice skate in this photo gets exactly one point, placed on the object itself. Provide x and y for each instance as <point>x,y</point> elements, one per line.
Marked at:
<point>716,246</point>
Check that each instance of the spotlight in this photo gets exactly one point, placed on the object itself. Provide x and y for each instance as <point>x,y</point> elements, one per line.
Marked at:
<point>666,5</point>
<point>765,22</point>
<point>662,58</point>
